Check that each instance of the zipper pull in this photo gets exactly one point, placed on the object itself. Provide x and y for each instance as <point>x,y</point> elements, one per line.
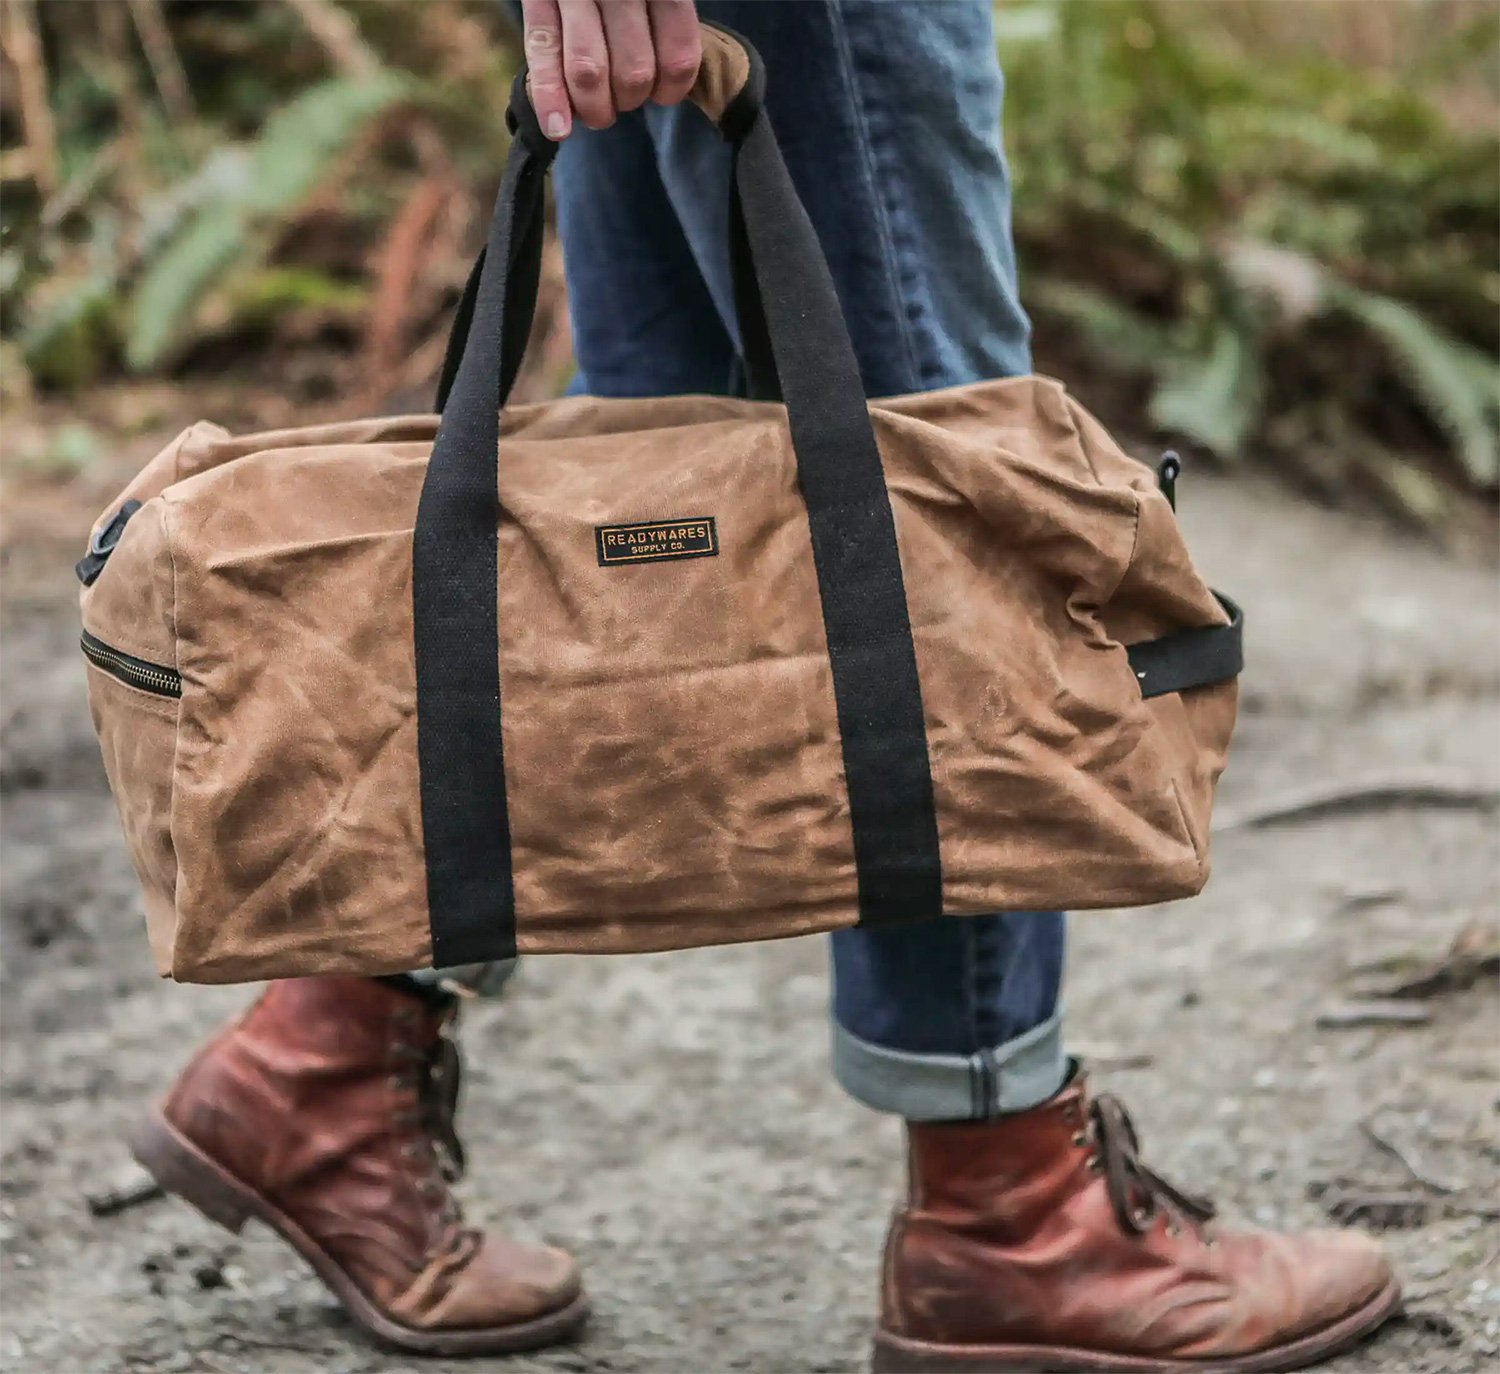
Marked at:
<point>1167,473</point>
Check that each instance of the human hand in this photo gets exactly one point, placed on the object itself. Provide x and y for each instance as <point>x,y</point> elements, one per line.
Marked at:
<point>598,58</point>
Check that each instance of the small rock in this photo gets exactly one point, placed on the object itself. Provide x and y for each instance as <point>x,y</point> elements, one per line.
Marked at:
<point>209,1274</point>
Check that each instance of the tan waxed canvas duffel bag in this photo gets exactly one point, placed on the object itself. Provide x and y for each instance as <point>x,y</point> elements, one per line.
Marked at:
<point>622,675</point>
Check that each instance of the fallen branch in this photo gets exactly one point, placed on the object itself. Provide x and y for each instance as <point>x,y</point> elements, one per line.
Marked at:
<point>109,1202</point>
<point>1371,1012</point>
<point>1386,1145</point>
<point>1474,954</point>
<point>1380,1210</point>
<point>1371,794</point>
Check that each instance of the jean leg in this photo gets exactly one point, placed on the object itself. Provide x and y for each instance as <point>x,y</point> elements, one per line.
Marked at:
<point>645,322</point>
<point>950,1020</point>
<point>889,118</point>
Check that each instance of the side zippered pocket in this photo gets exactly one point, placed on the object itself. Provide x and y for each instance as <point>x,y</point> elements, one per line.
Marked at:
<point>155,678</point>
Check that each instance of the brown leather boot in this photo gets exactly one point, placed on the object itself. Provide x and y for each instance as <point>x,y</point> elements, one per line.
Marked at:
<point>326,1112</point>
<point>1041,1242</point>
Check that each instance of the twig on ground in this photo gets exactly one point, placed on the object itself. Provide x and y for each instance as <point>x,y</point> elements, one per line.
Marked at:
<point>1386,1145</point>
<point>1103,1055</point>
<point>1370,794</point>
<point>109,1202</point>
<point>1372,1012</point>
<point>1383,1211</point>
<point>1473,954</point>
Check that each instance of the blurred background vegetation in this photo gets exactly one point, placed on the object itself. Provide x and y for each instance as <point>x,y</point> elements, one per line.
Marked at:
<point>1268,230</point>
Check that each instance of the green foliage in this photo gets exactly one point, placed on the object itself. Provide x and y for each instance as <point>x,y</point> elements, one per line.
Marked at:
<point>1457,384</point>
<point>162,304</point>
<point>1216,399</point>
<point>233,232</point>
<point>1288,253</point>
<point>265,203</point>
<point>1295,252</point>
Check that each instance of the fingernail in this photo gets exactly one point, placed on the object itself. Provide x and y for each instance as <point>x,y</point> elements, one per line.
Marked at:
<point>557,126</point>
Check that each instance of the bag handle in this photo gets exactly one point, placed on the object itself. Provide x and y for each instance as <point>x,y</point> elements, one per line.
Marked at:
<point>729,90</point>
<point>794,329</point>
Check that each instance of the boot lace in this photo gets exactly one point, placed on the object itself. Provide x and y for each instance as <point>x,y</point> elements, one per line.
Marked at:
<point>1136,1193</point>
<point>436,1078</point>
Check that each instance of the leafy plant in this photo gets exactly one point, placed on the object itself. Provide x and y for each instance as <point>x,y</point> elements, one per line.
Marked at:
<point>233,232</point>
<point>1297,255</point>
<point>256,187</point>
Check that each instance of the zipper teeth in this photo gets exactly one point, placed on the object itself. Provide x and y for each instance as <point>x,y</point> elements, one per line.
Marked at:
<point>134,672</point>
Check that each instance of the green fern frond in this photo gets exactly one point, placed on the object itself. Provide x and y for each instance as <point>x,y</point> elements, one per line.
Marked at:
<point>1454,383</point>
<point>1121,336</point>
<point>173,285</point>
<point>296,151</point>
<point>1215,401</point>
<point>303,138</point>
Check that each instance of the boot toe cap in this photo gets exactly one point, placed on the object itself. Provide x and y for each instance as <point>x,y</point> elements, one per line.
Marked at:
<point>1346,1271</point>
<point>504,1283</point>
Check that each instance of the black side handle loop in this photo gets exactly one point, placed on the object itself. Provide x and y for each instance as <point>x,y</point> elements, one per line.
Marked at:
<point>1185,659</point>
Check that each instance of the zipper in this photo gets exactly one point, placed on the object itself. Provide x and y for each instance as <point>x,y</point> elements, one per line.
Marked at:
<point>132,671</point>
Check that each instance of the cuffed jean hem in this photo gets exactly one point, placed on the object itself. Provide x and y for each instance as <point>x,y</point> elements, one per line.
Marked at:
<point>1012,1077</point>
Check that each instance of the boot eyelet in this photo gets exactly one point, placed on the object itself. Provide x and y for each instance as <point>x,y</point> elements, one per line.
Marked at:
<point>1080,1140</point>
<point>398,1081</point>
<point>1096,1165</point>
<point>1174,1231</point>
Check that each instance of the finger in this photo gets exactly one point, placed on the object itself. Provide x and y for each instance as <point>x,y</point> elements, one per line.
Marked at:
<point>679,48</point>
<point>586,63</point>
<point>549,90</point>
<point>632,59</point>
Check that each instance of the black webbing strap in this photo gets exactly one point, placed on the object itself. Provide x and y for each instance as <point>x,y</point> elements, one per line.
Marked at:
<point>455,557</point>
<point>1186,659</point>
<point>877,695</point>
<point>518,304</point>
<point>876,690</point>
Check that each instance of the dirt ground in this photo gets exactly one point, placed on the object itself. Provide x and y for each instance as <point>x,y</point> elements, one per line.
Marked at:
<point>670,1117</point>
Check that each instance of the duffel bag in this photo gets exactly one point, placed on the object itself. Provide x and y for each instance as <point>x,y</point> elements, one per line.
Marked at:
<point>623,675</point>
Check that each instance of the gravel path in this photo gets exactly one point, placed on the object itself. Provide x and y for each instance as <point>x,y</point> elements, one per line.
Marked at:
<point>670,1117</point>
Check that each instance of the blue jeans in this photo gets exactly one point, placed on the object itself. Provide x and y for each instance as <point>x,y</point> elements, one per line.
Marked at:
<point>889,118</point>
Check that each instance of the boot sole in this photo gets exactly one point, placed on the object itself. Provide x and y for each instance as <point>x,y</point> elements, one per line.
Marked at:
<point>183,1170</point>
<point>902,1355</point>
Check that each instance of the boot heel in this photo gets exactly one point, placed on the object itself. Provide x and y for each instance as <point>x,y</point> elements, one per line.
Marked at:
<point>186,1172</point>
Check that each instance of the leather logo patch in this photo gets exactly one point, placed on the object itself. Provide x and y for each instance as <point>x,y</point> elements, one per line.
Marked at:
<point>651,541</point>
